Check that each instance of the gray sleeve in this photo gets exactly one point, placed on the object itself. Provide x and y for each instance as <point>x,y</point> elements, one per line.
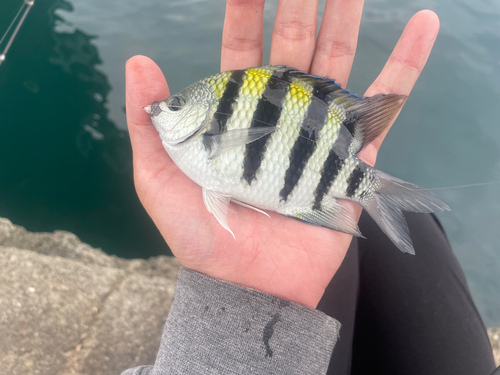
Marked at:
<point>215,327</point>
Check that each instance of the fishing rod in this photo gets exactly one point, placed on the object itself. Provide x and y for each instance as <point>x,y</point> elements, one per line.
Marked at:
<point>27,7</point>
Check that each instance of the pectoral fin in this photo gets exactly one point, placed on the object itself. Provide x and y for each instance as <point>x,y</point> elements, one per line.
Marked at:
<point>218,143</point>
<point>218,205</point>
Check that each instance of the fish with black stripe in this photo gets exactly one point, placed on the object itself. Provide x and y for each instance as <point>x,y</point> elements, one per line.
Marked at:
<point>275,138</point>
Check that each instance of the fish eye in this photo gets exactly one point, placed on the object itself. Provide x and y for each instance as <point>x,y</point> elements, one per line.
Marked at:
<point>175,103</point>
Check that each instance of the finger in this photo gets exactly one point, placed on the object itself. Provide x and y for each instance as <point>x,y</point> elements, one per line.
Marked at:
<point>144,85</point>
<point>242,35</point>
<point>294,33</point>
<point>404,66</point>
<point>337,40</point>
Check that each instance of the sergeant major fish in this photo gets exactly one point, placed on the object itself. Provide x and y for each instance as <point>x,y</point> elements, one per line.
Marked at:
<point>276,138</point>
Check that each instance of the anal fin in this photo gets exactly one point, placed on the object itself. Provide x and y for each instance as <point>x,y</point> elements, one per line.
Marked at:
<point>331,215</point>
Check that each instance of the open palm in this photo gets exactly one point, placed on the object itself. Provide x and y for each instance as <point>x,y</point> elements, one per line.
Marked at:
<point>277,255</point>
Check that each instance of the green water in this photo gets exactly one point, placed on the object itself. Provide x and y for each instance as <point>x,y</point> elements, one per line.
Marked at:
<point>65,158</point>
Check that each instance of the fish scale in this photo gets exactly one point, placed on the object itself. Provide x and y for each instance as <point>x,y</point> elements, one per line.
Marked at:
<point>279,139</point>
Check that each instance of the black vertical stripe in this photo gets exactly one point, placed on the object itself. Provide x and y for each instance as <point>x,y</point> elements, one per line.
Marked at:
<point>354,180</point>
<point>305,145</point>
<point>225,107</point>
<point>267,113</point>
<point>331,168</point>
<point>350,122</point>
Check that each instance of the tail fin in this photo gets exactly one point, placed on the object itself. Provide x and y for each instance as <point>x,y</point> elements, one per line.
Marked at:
<point>393,196</point>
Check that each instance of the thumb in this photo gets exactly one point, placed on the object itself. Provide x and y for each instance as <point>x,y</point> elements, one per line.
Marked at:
<point>145,84</point>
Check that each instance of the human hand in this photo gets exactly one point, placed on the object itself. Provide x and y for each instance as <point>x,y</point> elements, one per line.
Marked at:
<point>276,255</point>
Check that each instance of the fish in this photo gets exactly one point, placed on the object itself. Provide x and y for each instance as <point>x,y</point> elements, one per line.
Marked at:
<point>276,138</point>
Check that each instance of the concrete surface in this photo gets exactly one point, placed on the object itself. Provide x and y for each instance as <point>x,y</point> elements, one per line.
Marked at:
<point>67,308</point>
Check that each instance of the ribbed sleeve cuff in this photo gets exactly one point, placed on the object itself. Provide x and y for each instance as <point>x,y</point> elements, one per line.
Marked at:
<point>215,327</point>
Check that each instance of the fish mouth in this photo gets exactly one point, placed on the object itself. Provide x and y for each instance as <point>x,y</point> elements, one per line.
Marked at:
<point>153,109</point>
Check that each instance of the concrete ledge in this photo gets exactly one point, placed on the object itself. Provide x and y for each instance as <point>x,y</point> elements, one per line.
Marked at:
<point>67,245</point>
<point>67,308</point>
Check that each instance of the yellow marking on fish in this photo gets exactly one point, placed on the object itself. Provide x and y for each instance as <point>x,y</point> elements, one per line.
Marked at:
<point>251,90</point>
<point>218,83</point>
<point>255,82</point>
<point>297,102</point>
<point>300,94</point>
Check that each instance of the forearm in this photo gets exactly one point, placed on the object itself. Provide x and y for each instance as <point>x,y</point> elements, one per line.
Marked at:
<point>215,327</point>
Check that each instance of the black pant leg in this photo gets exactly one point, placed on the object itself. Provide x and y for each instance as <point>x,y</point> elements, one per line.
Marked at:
<point>415,314</point>
<point>339,302</point>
